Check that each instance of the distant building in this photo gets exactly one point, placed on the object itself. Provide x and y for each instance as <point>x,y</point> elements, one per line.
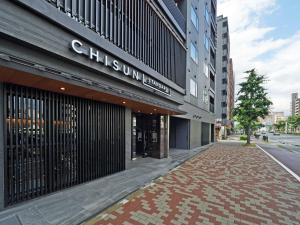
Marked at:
<point>224,77</point>
<point>297,107</point>
<point>295,104</point>
<point>272,118</point>
<point>278,116</point>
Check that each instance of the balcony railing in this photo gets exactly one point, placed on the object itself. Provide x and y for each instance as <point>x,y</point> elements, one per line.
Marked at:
<point>173,9</point>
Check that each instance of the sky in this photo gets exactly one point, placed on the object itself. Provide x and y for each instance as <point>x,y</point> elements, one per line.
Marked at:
<point>265,34</point>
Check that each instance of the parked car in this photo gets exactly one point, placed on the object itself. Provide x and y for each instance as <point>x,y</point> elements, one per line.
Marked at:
<point>276,133</point>
<point>257,135</point>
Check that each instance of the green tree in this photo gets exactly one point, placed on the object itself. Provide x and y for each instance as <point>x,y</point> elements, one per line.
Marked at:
<point>252,102</point>
<point>280,126</point>
<point>293,122</point>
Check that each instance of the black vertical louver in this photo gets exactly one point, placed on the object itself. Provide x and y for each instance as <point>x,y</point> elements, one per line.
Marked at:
<point>54,141</point>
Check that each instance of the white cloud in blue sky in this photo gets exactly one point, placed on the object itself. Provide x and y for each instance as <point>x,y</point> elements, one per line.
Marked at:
<point>259,39</point>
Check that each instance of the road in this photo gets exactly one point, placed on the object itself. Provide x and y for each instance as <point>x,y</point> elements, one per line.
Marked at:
<point>286,149</point>
<point>286,139</point>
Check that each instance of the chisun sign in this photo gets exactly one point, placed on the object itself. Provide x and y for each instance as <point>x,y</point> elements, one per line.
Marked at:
<point>122,68</point>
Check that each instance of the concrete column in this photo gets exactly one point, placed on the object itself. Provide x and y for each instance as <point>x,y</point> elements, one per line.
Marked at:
<point>162,149</point>
<point>167,136</point>
<point>209,133</point>
<point>128,131</point>
<point>2,120</point>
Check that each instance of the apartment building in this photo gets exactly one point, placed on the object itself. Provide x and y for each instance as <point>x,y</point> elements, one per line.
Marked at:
<point>295,104</point>
<point>196,127</point>
<point>224,78</point>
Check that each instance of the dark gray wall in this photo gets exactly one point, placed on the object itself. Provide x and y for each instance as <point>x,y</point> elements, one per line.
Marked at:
<point>1,147</point>
<point>179,133</point>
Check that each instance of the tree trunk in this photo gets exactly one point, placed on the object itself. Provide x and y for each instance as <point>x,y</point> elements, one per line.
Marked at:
<point>248,135</point>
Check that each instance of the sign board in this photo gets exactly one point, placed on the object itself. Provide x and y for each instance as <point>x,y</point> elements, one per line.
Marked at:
<point>121,67</point>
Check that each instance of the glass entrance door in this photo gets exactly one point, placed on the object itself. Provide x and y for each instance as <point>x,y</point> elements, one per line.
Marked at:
<point>145,134</point>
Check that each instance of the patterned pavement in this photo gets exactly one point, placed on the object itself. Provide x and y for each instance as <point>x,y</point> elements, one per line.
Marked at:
<point>227,184</point>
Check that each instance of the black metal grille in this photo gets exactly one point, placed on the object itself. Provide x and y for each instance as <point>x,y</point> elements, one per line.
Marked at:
<point>54,141</point>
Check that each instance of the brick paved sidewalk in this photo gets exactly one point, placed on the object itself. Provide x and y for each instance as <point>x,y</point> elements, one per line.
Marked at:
<point>227,184</point>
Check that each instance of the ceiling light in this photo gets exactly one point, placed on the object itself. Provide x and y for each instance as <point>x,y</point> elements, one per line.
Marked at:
<point>62,88</point>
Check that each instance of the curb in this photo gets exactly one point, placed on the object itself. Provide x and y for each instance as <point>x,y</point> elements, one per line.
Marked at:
<point>281,164</point>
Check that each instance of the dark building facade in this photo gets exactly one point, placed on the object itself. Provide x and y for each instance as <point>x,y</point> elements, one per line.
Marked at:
<point>85,87</point>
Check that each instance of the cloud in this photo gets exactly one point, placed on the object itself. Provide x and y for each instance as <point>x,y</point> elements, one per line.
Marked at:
<point>252,46</point>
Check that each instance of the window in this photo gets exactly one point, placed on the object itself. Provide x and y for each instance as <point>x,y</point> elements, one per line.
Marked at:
<point>225,24</point>
<point>224,81</point>
<point>224,69</point>
<point>193,88</point>
<point>224,104</point>
<point>194,18</point>
<point>207,15</point>
<point>225,35</point>
<point>224,58</point>
<point>206,42</point>
<point>194,53</point>
<point>205,96</point>
<point>224,92</point>
<point>205,69</point>
<point>225,47</point>
<point>224,116</point>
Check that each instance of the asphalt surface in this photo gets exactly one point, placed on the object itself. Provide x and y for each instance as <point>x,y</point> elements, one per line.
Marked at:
<point>286,149</point>
<point>286,139</point>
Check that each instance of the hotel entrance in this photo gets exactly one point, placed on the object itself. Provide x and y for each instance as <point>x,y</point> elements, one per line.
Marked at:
<point>149,136</point>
